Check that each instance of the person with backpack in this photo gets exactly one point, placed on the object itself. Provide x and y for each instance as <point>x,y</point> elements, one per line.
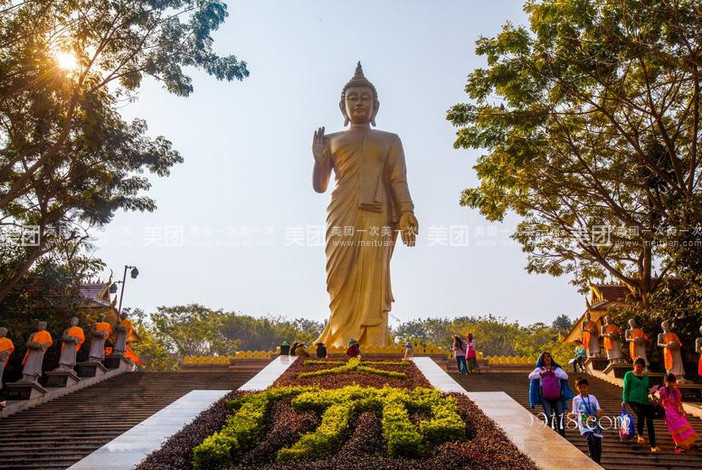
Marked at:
<point>548,387</point>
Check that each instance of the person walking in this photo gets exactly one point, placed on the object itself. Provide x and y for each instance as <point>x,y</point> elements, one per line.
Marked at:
<point>680,429</point>
<point>635,394</point>
<point>548,387</point>
<point>458,348</point>
<point>586,412</point>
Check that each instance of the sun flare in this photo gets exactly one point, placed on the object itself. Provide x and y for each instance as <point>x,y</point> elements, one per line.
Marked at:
<point>66,61</point>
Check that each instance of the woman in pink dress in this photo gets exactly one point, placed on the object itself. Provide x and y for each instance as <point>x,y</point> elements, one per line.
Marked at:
<point>679,427</point>
<point>471,354</point>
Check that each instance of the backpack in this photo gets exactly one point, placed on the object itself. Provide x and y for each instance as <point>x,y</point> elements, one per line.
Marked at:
<point>550,387</point>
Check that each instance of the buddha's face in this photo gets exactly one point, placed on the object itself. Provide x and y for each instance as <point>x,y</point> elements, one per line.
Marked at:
<point>74,321</point>
<point>359,104</point>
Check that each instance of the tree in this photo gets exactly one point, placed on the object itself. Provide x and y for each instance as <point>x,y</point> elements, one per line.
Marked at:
<point>590,119</point>
<point>562,324</point>
<point>66,155</point>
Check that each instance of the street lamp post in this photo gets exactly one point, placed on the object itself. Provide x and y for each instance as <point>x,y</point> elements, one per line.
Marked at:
<point>133,273</point>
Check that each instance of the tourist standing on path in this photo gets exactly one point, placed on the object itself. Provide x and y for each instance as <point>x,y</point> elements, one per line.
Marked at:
<point>471,354</point>
<point>635,393</point>
<point>294,347</point>
<point>586,411</point>
<point>321,350</point>
<point>548,387</point>
<point>679,427</point>
<point>354,349</point>
<point>458,348</point>
<point>409,352</point>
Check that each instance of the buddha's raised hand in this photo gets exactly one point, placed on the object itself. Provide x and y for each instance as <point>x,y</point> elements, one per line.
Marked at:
<point>320,146</point>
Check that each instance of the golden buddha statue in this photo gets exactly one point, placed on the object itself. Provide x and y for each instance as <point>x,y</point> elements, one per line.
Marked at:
<point>369,205</point>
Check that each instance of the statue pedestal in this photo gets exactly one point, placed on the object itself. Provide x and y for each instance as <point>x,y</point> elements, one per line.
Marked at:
<point>89,369</point>
<point>595,363</point>
<point>23,391</point>
<point>61,378</point>
<point>617,369</point>
<point>118,361</point>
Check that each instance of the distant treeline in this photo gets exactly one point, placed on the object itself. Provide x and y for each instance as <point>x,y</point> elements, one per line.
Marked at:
<point>171,333</point>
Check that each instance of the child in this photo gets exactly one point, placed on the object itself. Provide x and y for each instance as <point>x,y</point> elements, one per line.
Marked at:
<point>586,410</point>
<point>679,427</point>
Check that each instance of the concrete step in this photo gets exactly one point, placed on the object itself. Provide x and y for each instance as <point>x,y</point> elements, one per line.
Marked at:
<point>61,432</point>
<point>615,454</point>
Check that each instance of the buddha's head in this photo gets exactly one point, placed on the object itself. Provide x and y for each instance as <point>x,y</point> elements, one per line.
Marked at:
<point>101,317</point>
<point>359,100</point>
<point>74,321</point>
<point>3,331</point>
<point>632,323</point>
<point>666,326</point>
<point>41,325</point>
<point>124,315</point>
<point>606,319</point>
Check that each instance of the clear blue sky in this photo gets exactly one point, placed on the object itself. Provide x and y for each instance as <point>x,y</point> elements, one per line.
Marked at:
<point>248,166</point>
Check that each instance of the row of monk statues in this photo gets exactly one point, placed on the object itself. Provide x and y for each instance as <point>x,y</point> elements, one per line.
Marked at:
<point>638,343</point>
<point>71,341</point>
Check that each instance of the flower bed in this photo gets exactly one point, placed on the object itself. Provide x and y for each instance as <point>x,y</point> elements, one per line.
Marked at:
<point>331,425</point>
<point>411,376</point>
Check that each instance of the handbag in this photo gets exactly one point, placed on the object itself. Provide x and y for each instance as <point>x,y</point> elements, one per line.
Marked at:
<point>658,412</point>
<point>627,429</point>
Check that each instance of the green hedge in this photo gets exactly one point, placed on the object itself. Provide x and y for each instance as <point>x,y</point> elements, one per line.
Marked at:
<point>338,409</point>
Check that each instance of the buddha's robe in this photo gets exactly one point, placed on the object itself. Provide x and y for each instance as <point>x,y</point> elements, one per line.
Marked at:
<point>591,339</point>
<point>98,335</point>
<point>34,357</point>
<point>72,340</point>
<point>638,350</point>
<point>6,348</point>
<point>370,195</point>
<point>673,357</point>
<point>123,331</point>
<point>612,346</point>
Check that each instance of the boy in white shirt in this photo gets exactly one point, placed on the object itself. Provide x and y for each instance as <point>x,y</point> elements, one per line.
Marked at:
<point>586,411</point>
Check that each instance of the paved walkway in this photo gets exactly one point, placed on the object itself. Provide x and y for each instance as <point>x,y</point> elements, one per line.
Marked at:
<point>542,444</point>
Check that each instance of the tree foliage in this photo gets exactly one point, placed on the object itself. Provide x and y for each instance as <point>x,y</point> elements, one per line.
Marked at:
<point>495,336</point>
<point>66,154</point>
<point>590,119</point>
<point>195,330</point>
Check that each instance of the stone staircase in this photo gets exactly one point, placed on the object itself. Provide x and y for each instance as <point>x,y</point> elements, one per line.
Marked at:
<point>57,434</point>
<point>615,454</point>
